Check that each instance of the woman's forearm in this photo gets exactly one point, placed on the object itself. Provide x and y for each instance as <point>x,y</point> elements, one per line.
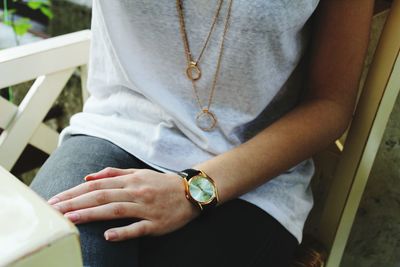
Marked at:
<point>297,136</point>
<point>340,38</point>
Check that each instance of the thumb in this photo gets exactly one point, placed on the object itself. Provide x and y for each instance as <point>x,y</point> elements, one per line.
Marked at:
<point>134,230</point>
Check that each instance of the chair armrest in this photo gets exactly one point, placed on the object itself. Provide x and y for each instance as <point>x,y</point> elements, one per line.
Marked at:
<point>32,233</point>
<point>27,62</point>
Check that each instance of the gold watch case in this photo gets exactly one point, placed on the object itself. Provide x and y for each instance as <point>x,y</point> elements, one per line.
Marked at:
<point>201,190</point>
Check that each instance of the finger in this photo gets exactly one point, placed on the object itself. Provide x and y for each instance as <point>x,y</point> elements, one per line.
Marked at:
<point>107,173</point>
<point>115,182</point>
<point>110,211</point>
<point>134,230</point>
<point>93,199</point>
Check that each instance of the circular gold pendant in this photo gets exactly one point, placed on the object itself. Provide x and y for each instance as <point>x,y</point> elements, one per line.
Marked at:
<point>193,72</point>
<point>206,120</point>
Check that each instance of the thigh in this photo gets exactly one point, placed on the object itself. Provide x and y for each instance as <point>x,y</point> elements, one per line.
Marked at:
<point>234,234</point>
<point>65,168</point>
<point>78,156</point>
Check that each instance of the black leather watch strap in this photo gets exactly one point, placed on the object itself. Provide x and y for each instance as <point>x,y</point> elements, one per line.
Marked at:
<point>210,205</point>
<point>189,173</point>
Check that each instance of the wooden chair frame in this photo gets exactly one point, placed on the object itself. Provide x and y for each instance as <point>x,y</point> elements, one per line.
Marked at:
<point>50,63</point>
<point>365,134</point>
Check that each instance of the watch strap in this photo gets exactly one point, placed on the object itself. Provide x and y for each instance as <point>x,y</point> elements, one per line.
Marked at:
<point>210,205</point>
<point>189,173</point>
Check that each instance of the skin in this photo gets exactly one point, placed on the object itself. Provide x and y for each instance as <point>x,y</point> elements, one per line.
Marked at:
<point>340,38</point>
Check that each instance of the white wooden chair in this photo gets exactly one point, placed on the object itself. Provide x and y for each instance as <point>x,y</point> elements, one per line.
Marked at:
<point>54,60</point>
<point>31,232</point>
<point>50,63</point>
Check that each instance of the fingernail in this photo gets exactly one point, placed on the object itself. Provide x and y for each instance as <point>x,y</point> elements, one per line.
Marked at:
<point>53,200</point>
<point>72,216</point>
<point>111,235</point>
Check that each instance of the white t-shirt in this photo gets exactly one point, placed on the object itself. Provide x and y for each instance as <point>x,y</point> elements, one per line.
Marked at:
<point>142,101</point>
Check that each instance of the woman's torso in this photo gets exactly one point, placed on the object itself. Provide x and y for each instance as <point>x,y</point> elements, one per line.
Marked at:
<point>142,100</point>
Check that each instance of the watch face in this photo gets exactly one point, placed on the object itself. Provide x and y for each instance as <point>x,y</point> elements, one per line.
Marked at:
<point>201,189</point>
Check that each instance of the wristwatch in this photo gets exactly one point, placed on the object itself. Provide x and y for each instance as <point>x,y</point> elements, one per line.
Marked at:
<point>200,189</point>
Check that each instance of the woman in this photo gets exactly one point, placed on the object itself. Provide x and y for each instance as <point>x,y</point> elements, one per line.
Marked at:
<point>195,143</point>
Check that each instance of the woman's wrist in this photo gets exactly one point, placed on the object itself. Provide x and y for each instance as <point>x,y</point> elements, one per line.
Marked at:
<point>191,211</point>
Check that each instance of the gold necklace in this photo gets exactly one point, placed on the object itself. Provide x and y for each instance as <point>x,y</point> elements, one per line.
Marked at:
<point>193,71</point>
<point>205,120</point>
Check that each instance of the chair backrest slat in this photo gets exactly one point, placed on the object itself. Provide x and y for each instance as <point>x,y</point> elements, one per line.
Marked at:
<point>27,62</point>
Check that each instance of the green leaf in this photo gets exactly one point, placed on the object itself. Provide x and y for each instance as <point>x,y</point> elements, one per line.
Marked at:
<point>35,4</point>
<point>46,11</point>
<point>22,25</point>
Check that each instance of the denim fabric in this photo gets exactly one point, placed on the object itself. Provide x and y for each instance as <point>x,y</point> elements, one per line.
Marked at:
<point>234,234</point>
<point>65,168</point>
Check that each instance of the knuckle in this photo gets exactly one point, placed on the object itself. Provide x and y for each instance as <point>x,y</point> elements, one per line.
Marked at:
<point>123,234</point>
<point>87,215</point>
<point>66,206</point>
<point>101,197</point>
<point>111,171</point>
<point>142,172</point>
<point>108,170</point>
<point>158,216</point>
<point>147,172</point>
<point>131,193</point>
<point>141,191</point>
<point>65,196</point>
<point>146,193</point>
<point>119,210</point>
<point>143,230</point>
<point>134,178</point>
<point>93,185</point>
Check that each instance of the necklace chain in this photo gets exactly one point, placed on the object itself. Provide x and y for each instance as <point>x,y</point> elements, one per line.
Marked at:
<point>189,56</point>
<point>192,64</point>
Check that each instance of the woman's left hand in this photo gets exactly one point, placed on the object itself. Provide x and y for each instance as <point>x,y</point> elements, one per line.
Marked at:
<point>156,199</point>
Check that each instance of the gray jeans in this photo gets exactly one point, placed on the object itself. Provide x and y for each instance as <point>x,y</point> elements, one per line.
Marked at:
<point>234,234</point>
